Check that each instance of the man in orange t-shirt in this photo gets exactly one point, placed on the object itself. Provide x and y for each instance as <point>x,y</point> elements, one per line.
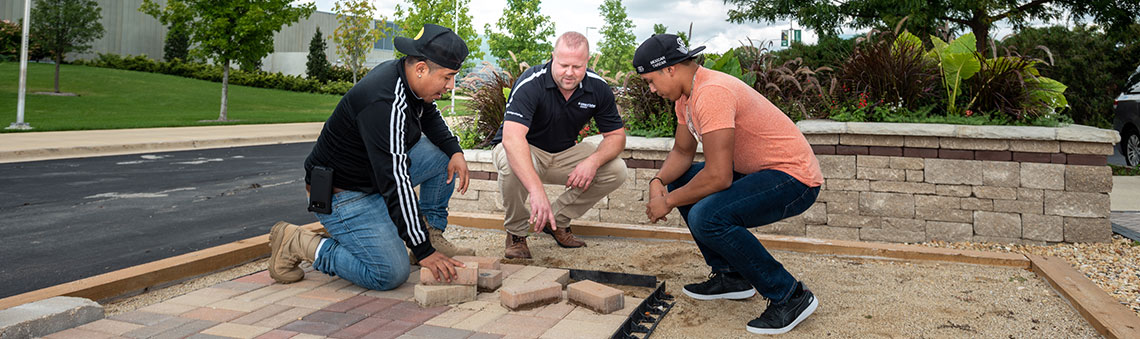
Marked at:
<point>758,169</point>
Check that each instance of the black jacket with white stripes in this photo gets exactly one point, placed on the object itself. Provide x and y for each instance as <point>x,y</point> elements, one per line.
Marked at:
<point>366,141</point>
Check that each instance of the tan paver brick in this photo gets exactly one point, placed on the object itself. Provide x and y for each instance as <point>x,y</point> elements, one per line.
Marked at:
<point>222,293</point>
<point>168,308</point>
<point>484,262</point>
<point>108,326</point>
<point>479,319</point>
<point>463,276</point>
<point>220,315</point>
<point>518,325</point>
<point>404,292</point>
<point>261,278</point>
<point>510,269</point>
<point>605,320</point>
<point>392,329</point>
<point>157,328</point>
<point>436,295</point>
<point>335,285</point>
<point>261,292</point>
<point>260,314</point>
<point>185,330</point>
<point>450,317</point>
<point>238,285</point>
<point>239,305</point>
<point>429,331</point>
<point>528,272</point>
<point>307,336</point>
<point>597,297</point>
<point>577,329</point>
<point>78,333</point>
<point>140,317</point>
<point>353,289</point>
<point>299,301</point>
<point>530,295</point>
<point>196,300</point>
<point>490,280</point>
<point>484,305</point>
<point>331,295</point>
<point>557,275</point>
<point>278,334</point>
<point>555,311</point>
<point>480,335</point>
<point>286,293</point>
<point>237,330</point>
<point>350,303</point>
<point>284,317</point>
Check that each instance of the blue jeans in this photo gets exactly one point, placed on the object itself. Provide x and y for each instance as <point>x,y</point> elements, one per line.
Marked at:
<point>719,223</point>
<point>365,247</point>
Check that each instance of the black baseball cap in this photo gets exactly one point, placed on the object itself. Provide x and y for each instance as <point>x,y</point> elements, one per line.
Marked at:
<point>436,43</point>
<point>660,51</point>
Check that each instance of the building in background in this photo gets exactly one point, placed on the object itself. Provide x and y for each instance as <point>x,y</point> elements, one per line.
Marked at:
<point>130,32</point>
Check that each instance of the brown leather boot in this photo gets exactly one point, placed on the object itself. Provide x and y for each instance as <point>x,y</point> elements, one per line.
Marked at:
<point>442,245</point>
<point>516,247</point>
<point>565,238</point>
<point>289,245</point>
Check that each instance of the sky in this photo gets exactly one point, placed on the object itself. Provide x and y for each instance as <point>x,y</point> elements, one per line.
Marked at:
<point>708,18</point>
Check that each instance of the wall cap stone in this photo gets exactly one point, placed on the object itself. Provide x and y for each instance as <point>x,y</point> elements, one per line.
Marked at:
<point>1079,133</point>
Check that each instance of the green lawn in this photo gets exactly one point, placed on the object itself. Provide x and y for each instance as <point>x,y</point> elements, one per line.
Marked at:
<point>110,99</point>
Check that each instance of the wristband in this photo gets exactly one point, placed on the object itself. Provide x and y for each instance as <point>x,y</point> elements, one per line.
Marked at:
<point>658,179</point>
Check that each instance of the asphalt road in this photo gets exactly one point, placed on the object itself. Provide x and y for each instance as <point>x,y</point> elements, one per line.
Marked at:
<point>62,220</point>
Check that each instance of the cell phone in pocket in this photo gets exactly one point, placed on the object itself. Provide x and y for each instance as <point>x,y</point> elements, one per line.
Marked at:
<point>320,190</point>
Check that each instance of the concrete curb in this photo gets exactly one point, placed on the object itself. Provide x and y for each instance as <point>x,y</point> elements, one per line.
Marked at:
<point>47,316</point>
<point>95,151</point>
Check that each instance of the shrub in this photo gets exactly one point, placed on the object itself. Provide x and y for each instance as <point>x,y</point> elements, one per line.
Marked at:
<point>645,113</point>
<point>260,79</point>
<point>489,102</point>
<point>10,35</point>
<point>1094,65</point>
<point>343,73</point>
<point>794,88</point>
<point>893,71</point>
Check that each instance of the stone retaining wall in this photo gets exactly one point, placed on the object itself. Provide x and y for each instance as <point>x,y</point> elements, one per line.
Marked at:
<point>904,183</point>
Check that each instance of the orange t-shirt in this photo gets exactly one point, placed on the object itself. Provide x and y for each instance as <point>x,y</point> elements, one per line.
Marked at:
<point>765,137</point>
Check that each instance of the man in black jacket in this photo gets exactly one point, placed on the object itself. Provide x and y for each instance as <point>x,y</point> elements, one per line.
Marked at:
<point>384,138</point>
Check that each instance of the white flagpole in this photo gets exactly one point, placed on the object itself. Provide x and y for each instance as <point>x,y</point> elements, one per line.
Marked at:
<point>20,124</point>
<point>456,29</point>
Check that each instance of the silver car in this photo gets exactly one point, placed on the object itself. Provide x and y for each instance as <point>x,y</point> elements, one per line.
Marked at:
<point>1127,120</point>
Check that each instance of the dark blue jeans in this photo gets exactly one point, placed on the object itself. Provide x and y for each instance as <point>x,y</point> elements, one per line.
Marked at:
<point>719,223</point>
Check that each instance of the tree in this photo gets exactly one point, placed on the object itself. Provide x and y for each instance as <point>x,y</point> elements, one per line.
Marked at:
<point>922,17</point>
<point>357,33</point>
<point>233,30</point>
<point>177,21</point>
<point>65,26</point>
<point>317,67</point>
<point>411,19</point>
<point>617,44</point>
<point>661,29</point>
<point>522,31</point>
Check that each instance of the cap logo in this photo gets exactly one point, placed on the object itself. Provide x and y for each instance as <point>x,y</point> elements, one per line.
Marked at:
<point>657,62</point>
<point>418,35</point>
<point>681,46</point>
<point>641,69</point>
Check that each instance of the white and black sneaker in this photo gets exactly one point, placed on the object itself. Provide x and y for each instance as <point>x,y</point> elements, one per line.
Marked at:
<point>721,286</point>
<point>781,318</point>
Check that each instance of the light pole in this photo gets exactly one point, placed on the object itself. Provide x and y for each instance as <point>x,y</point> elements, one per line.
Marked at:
<point>456,28</point>
<point>20,124</point>
<point>588,28</point>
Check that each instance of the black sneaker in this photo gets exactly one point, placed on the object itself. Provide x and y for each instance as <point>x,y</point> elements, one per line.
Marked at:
<point>721,286</point>
<point>781,318</point>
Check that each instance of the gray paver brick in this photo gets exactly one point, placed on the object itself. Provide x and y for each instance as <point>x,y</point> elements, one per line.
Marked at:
<point>335,318</point>
<point>311,327</point>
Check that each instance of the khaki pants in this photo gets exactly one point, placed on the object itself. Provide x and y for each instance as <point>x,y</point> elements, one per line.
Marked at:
<point>554,168</point>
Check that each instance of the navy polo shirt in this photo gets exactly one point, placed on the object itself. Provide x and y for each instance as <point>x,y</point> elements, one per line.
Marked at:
<point>554,122</point>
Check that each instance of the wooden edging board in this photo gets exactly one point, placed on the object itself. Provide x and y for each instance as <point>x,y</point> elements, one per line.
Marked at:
<point>1102,311</point>
<point>156,273</point>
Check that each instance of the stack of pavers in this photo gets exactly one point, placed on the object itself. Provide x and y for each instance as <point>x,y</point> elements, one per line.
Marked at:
<point>519,287</point>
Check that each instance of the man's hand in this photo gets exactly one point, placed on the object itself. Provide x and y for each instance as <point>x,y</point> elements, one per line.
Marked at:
<point>540,213</point>
<point>442,267</point>
<point>657,189</point>
<point>583,174</point>
<point>657,208</point>
<point>457,167</point>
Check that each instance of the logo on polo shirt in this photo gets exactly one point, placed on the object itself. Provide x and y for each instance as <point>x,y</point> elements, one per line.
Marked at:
<point>585,105</point>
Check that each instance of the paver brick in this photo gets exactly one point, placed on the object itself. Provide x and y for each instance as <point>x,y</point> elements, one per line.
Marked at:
<point>463,276</point>
<point>112,327</point>
<point>260,278</point>
<point>519,325</point>
<point>168,308</point>
<point>158,328</point>
<point>260,314</point>
<point>305,302</point>
<point>213,314</point>
<point>435,295</point>
<point>141,318</point>
<point>319,293</point>
<point>335,318</point>
<point>375,306</point>
<point>555,311</point>
<point>392,329</point>
<point>238,285</point>
<point>361,328</point>
<point>238,305</point>
<point>480,335</point>
<point>311,327</point>
<point>490,280</point>
<point>530,295</point>
<point>348,304</point>
<point>560,276</point>
<point>237,330</point>
<point>575,329</point>
<point>480,318</point>
<point>597,297</point>
<point>484,262</point>
<point>404,292</point>
<point>528,272</point>
<point>429,331</point>
<point>278,334</point>
<point>450,317</point>
<point>509,269</point>
<point>284,317</point>
<point>78,333</point>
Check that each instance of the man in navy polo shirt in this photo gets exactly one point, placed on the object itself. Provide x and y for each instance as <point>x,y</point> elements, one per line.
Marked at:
<point>549,105</point>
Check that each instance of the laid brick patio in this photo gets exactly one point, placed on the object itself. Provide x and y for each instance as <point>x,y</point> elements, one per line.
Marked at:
<point>320,306</point>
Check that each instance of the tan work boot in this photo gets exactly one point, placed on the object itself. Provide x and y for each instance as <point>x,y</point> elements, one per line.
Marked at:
<point>288,245</point>
<point>442,245</point>
<point>516,247</point>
